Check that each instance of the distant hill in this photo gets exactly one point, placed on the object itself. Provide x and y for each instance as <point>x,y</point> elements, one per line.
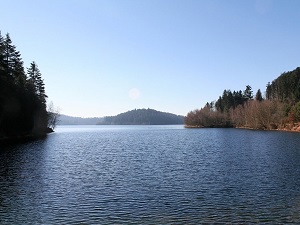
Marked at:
<point>143,117</point>
<point>70,120</point>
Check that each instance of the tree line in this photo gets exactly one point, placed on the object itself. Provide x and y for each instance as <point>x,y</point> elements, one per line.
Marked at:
<point>279,108</point>
<point>22,95</point>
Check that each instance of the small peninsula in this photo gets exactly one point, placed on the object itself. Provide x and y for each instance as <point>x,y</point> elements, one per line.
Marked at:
<point>279,109</point>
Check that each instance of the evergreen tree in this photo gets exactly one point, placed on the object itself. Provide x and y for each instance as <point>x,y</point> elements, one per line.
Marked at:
<point>9,52</point>
<point>35,79</point>
<point>220,104</point>
<point>248,93</point>
<point>18,70</point>
<point>258,96</point>
<point>1,54</point>
<point>268,91</point>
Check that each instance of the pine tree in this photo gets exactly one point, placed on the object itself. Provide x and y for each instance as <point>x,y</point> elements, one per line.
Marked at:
<point>2,65</point>
<point>1,54</point>
<point>9,51</point>
<point>18,70</point>
<point>36,92</point>
<point>11,64</point>
<point>258,96</point>
<point>268,91</point>
<point>248,93</point>
<point>35,79</point>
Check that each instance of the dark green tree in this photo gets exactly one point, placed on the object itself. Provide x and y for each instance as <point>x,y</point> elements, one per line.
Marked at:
<point>268,91</point>
<point>9,54</point>
<point>35,79</point>
<point>248,93</point>
<point>220,104</point>
<point>258,96</point>
<point>1,54</point>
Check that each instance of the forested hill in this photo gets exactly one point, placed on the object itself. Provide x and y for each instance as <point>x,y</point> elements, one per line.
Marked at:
<point>143,117</point>
<point>285,88</point>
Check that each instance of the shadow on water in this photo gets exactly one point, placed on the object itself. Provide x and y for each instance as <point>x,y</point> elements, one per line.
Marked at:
<point>8,143</point>
<point>21,180</point>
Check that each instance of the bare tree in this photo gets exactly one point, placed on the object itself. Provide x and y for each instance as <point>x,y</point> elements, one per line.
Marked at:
<point>53,115</point>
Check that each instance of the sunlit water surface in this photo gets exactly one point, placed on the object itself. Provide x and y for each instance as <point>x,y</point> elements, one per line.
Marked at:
<point>151,175</point>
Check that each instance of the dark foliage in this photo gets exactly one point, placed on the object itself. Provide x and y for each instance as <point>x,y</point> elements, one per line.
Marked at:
<point>143,117</point>
<point>258,96</point>
<point>230,100</point>
<point>22,97</point>
<point>285,88</point>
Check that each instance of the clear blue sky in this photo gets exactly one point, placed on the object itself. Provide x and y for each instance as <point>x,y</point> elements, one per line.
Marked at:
<point>101,58</point>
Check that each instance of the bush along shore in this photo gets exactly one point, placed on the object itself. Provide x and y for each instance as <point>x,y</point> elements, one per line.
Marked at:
<point>279,109</point>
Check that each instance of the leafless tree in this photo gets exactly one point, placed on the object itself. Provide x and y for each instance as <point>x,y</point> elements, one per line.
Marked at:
<point>53,115</point>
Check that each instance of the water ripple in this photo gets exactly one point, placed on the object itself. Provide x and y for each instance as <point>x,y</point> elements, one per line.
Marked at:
<point>152,175</point>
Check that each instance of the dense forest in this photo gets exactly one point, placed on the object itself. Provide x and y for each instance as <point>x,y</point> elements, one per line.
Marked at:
<point>278,109</point>
<point>22,95</point>
<point>143,117</point>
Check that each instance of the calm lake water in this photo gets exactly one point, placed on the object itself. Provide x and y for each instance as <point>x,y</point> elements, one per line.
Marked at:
<point>151,175</point>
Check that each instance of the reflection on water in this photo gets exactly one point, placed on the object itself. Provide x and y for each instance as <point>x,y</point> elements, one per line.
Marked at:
<point>151,174</point>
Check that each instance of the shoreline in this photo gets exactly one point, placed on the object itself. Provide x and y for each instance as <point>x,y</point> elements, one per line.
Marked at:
<point>196,126</point>
<point>287,127</point>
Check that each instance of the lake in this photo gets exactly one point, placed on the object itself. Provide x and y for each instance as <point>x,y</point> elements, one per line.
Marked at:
<point>151,175</point>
